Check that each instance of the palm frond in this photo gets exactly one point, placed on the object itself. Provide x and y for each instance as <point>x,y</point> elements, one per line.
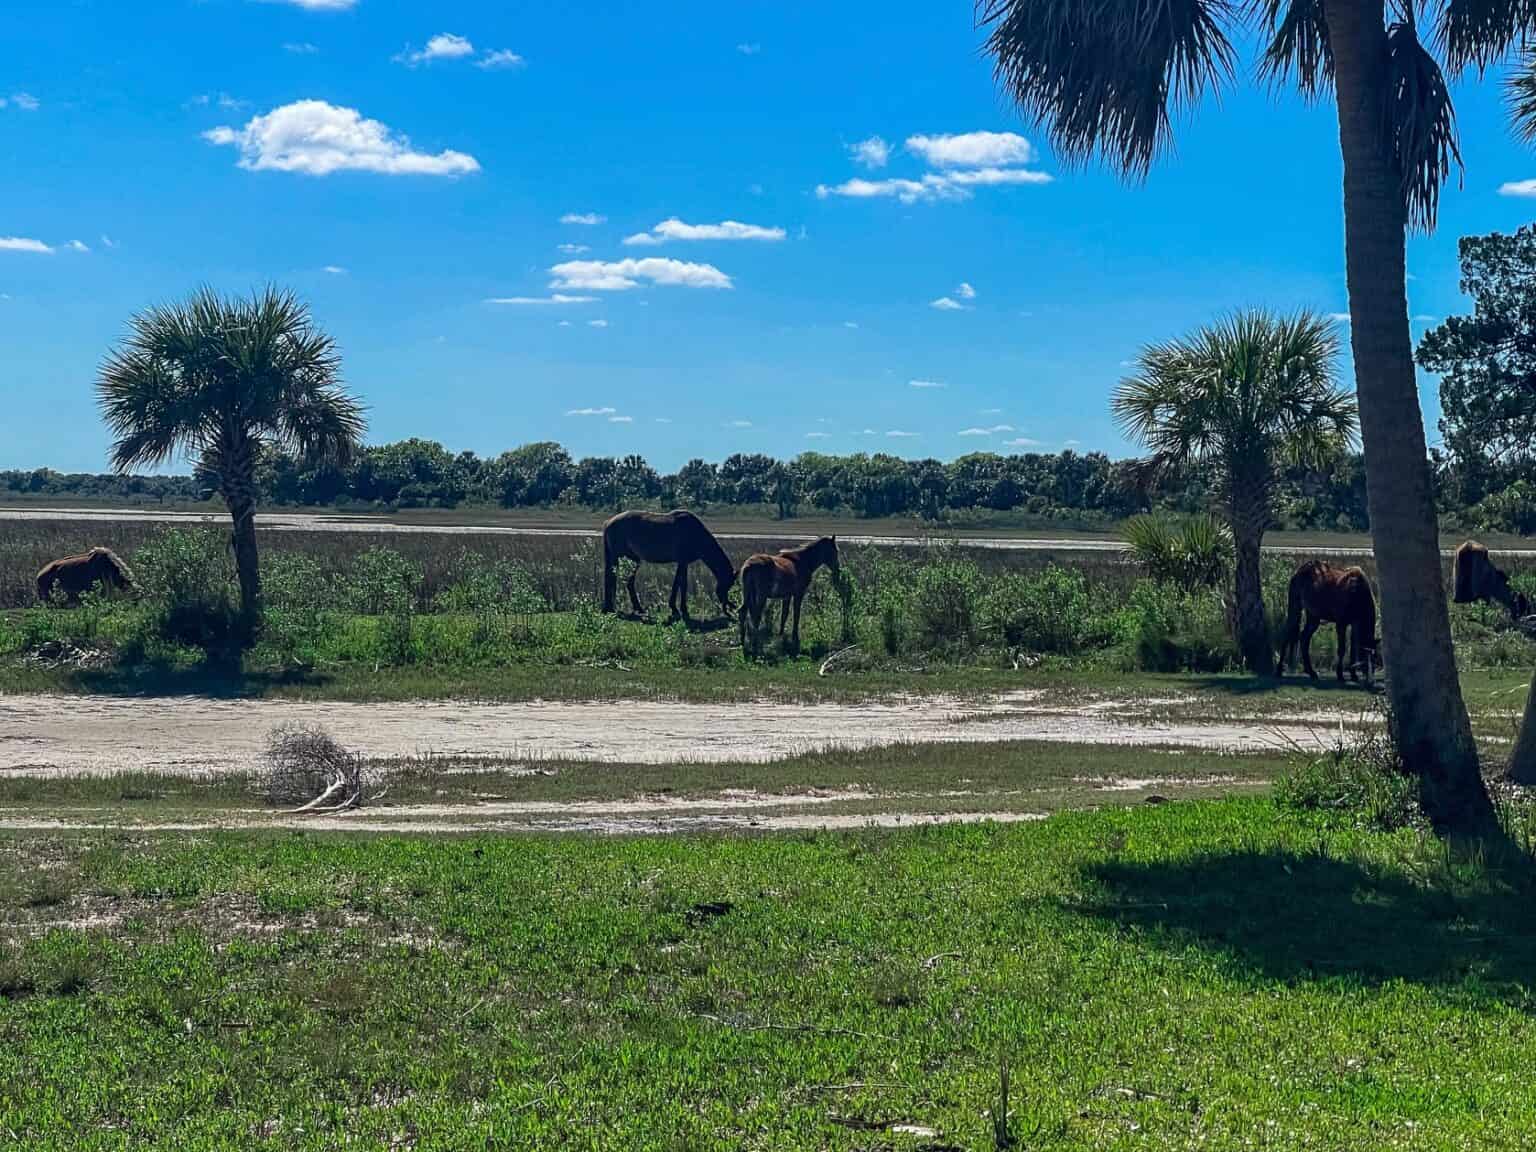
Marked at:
<point>1478,33</point>
<point>1422,122</point>
<point>1298,44</point>
<point>1521,93</point>
<point>1105,76</point>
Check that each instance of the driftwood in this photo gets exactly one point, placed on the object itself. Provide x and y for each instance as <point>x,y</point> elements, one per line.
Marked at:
<point>304,763</point>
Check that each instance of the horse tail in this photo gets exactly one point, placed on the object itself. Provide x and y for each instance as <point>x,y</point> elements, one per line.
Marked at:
<point>1464,578</point>
<point>1295,601</point>
<point>45,581</point>
<point>1367,617</point>
<point>610,570</point>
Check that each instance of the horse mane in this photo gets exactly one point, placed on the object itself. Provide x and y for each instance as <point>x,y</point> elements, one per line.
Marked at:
<point>124,573</point>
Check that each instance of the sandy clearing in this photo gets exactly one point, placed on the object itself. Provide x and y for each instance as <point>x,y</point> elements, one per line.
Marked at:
<point>327,522</point>
<point>195,735</point>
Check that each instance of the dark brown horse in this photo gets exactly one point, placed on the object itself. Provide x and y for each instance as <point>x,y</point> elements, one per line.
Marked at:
<point>74,575</point>
<point>785,576</point>
<point>1341,596</point>
<point>1478,578</point>
<point>664,538</point>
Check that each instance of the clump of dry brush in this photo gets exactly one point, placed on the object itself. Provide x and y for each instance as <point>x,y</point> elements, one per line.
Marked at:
<point>305,766</point>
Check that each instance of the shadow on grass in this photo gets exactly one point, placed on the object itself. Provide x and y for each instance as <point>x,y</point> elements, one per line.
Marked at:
<point>219,681</point>
<point>1238,684</point>
<point>1289,916</point>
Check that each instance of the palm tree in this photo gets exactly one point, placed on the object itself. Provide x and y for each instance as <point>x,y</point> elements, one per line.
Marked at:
<point>220,380</point>
<point>1242,398</point>
<point>1106,77</point>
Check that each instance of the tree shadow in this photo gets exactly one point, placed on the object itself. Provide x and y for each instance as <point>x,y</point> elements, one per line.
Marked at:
<point>1288,916</point>
<point>219,681</point>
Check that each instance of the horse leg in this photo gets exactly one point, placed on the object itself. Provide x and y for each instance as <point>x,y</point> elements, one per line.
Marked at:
<point>796,635</point>
<point>1306,644</point>
<point>1341,632</point>
<point>634,597</point>
<point>783,616</point>
<point>682,593</point>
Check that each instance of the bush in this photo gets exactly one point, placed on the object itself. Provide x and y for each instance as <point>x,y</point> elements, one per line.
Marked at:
<point>1049,612</point>
<point>295,597</point>
<point>1361,779</point>
<point>1168,630</point>
<point>946,604</point>
<point>187,576</point>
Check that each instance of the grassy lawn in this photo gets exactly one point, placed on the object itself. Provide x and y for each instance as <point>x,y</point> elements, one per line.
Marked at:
<point>1216,974</point>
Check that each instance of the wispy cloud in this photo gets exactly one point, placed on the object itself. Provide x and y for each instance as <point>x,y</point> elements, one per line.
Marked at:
<point>26,101</point>
<point>317,5</point>
<point>317,139</point>
<point>965,291</point>
<point>107,241</point>
<point>991,431</point>
<point>538,301</point>
<point>898,434</point>
<point>500,59</point>
<point>850,324</point>
<point>597,323</point>
<point>23,244</point>
<point>1021,442</point>
<point>989,412</point>
<point>749,49</point>
<point>1339,317</point>
<point>587,218</point>
<point>443,46</point>
<point>933,186</point>
<point>926,384</point>
<point>77,246</point>
<point>1521,188</point>
<point>818,435</point>
<point>301,48</point>
<point>621,419</point>
<point>675,229</point>
<point>972,149</point>
<point>621,275</point>
<point>573,249</point>
<point>738,424</point>
<point>872,152</point>
<point>591,411</point>
<point>945,304</point>
<point>334,270</point>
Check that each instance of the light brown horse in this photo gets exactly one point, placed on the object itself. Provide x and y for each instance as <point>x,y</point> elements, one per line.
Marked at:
<point>785,576</point>
<point>74,575</point>
<point>664,538</point>
<point>1478,578</point>
<point>1341,596</point>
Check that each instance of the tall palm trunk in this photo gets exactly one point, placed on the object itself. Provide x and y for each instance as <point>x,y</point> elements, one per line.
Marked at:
<point>1249,511</point>
<point>238,485</point>
<point>1522,763</point>
<point>1429,719</point>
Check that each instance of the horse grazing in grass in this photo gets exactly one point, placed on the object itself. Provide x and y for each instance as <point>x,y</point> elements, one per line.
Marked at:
<point>664,538</point>
<point>74,575</point>
<point>1341,596</point>
<point>1478,578</point>
<point>785,576</point>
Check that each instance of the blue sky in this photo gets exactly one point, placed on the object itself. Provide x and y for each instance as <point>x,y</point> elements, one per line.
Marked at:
<point>401,165</point>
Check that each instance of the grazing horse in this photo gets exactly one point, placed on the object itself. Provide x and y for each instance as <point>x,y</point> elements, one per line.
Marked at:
<point>664,538</point>
<point>1478,578</point>
<point>73,575</point>
<point>785,577</point>
<point>1341,596</point>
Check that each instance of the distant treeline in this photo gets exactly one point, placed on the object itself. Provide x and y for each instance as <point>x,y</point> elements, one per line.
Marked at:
<point>1065,487</point>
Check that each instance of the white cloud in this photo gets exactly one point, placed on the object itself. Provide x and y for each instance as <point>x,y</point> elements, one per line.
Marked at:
<point>1526,188</point>
<point>597,323</point>
<point>933,186</point>
<point>869,432</point>
<point>871,153</point>
<point>965,291</point>
<point>443,46</point>
<point>990,412</point>
<point>1424,318</point>
<point>591,411</point>
<point>818,435</point>
<point>572,249</point>
<point>620,275</point>
<point>563,324</point>
<point>318,5</point>
<point>675,229</point>
<point>850,324</point>
<point>77,246</point>
<point>663,419</point>
<point>898,434</point>
<point>749,49</point>
<point>972,149</point>
<point>556,298</point>
<point>621,419</point>
<point>334,270</point>
<point>1339,317</point>
<point>1070,443</point>
<point>993,430</point>
<point>301,48</point>
<point>26,101</point>
<point>501,58</point>
<point>988,176</point>
<point>738,424</point>
<point>107,241</point>
<point>583,218</point>
<point>22,244</point>
<point>945,304</point>
<point>317,138</point>
<point>926,384</point>
<point>1021,442</point>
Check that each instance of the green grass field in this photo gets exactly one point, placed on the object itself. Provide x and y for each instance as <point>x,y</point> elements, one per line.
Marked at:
<point>1205,975</point>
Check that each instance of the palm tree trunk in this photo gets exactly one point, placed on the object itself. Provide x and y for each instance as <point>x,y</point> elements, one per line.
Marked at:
<point>1249,515</point>
<point>1429,719</point>
<point>1522,763</point>
<point>238,484</point>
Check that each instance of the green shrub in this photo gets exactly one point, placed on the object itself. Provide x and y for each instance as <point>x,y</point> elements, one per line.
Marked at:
<point>1360,779</point>
<point>187,577</point>
<point>1169,630</point>
<point>295,598</point>
<point>1048,612</point>
<point>946,604</point>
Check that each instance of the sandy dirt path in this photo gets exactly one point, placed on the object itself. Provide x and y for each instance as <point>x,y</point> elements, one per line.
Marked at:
<point>105,734</point>
<point>328,522</point>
